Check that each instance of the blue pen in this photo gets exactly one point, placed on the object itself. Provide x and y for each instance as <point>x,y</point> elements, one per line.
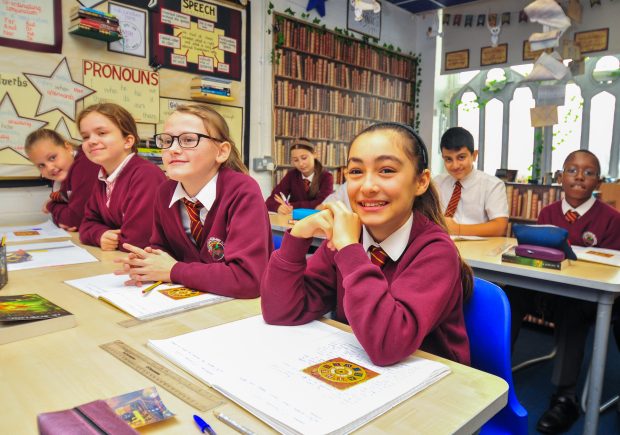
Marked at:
<point>203,425</point>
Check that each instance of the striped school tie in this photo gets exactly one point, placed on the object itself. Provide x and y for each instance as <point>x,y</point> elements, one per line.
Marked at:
<point>57,196</point>
<point>306,185</point>
<point>378,256</point>
<point>571,216</point>
<point>454,200</point>
<point>195,226</point>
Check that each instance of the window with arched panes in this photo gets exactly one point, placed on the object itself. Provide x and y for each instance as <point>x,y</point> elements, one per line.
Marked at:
<point>496,111</point>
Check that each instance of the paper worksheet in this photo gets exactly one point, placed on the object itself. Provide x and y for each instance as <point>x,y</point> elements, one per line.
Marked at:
<point>164,299</point>
<point>312,378</point>
<point>610,257</point>
<point>34,255</point>
<point>27,233</point>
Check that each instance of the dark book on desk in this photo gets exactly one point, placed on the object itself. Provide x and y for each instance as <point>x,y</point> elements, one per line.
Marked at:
<point>510,257</point>
<point>30,315</point>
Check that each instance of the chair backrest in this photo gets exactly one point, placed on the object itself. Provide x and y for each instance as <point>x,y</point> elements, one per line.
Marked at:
<point>487,318</point>
<point>277,241</point>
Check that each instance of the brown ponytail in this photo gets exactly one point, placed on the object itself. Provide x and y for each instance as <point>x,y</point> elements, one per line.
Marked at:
<point>428,203</point>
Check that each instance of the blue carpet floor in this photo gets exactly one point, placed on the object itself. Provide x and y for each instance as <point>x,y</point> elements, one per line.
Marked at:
<point>533,384</point>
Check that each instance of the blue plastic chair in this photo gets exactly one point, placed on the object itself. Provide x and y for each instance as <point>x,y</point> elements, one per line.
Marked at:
<point>277,241</point>
<point>487,318</point>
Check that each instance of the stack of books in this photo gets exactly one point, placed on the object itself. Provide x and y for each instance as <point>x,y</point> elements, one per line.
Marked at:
<point>510,256</point>
<point>95,24</point>
<point>211,88</point>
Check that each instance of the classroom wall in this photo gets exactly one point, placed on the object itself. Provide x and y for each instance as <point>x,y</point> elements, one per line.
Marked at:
<point>398,27</point>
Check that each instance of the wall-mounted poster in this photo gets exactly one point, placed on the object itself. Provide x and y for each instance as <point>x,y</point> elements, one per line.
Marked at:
<point>31,25</point>
<point>370,25</point>
<point>13,127</point>
<point>494,55</point>
<point>592,40</point>
<point>137,90</point>
<point>197,37</point>
<point>456,60</point>
<point>133,26</point>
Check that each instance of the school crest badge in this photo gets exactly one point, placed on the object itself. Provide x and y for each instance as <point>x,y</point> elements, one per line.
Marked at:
<point>216,248</point>
<point>589,238</point>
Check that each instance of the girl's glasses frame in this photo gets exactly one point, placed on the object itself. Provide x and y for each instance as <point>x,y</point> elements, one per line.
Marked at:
<point>185,140</point>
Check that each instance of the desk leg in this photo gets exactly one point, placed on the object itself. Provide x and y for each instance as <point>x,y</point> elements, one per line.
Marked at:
<point>599,357</point>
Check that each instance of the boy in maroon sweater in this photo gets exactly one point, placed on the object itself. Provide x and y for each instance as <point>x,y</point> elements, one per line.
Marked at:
<point>211,231</point>
<point>406,292</point>
<point>589,222</point>
<point>73,174</point>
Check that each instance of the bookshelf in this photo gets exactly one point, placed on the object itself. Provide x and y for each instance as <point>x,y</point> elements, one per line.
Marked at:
<point>327,87</point>
<point>525,201</point>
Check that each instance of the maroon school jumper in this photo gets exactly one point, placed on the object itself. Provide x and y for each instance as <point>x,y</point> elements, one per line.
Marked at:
<point>131,205</point>
<point>415,303</point>
<point>599,227</point>
<point>80,180</point>
<point>293,184</point>
<point>237,220</point>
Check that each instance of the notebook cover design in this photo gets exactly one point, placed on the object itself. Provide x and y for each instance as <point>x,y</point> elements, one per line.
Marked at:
<point>28,307</point>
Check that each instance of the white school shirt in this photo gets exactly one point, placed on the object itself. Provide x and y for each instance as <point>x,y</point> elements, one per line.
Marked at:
<point>483,197</point>
<point>340,194</point>
<point>394,245</point>
<point>206,196</point>
<point>110,180</point>
<point>582,209</point>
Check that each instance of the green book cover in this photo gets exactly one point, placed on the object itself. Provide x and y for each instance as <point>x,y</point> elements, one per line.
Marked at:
<point>28,307</point>
<point>511,257</point>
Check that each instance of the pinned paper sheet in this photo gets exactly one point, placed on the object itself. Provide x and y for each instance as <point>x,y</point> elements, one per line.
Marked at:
<point>555,22</point>
<point>548,67</point>
<point>543,116</point>
<point>574,11</point>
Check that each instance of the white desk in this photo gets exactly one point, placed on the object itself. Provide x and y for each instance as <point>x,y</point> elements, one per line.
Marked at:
<point>587,281</point>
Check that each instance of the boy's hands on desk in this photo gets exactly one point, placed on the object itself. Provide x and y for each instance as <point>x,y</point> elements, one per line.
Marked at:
<point>146,264</point>
<point>109,240</point>
<point>340,225</point>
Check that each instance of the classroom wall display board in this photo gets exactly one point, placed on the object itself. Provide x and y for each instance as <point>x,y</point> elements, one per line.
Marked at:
<point>232,114</point>
<point>137,90</point>
<point>196,37</point>
<point>13,127</point>
<point>328,87</point>
<point>34,25</point>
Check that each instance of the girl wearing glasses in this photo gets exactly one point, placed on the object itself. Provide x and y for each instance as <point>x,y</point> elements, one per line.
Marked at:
<point>120,209</point>
<point>211,231</point>
<point>305,186</point>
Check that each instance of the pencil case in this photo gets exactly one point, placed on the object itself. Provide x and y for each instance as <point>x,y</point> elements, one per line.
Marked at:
<point>548,236</point>
<point>90,418</point>
<point>300,213</point>
<point>539,252</point>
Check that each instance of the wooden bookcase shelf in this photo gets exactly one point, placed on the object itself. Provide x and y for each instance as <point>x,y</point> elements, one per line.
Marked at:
<point>328,87</point>
<point>525,201</point>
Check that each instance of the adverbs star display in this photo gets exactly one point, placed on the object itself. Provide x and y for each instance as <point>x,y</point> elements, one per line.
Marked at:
<point>15,128</point>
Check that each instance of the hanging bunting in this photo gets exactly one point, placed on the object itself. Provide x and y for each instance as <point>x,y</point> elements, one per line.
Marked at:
<point>456,21</point>
<point>446,19</point>
<point>595,3</point>
<point>469,20</point>
<point>505,18</point>
<point>319,5</point>
<point>492,20</point>
<point>481,20</point>
<point>522,17</point>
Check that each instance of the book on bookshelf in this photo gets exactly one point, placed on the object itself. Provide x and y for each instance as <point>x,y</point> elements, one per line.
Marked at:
<point>510,256</point>
<point>323,383</point>
<point>31,315</point>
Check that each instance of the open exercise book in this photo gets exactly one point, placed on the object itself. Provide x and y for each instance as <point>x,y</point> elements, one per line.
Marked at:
<point>163,300</point>
<point>610,257</point>
<point>312,378</point>
<point>33,255</point>
<point>27,233</point>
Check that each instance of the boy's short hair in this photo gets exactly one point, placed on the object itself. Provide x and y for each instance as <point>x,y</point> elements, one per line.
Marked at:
<point>456,138</point>
<point>588,152</point>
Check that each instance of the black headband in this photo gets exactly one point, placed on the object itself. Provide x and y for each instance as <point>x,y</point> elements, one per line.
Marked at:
<point>413,134</point>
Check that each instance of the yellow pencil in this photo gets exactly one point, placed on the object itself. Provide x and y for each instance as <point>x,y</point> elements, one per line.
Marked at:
<point>151,287</point>
<point>3,241</point>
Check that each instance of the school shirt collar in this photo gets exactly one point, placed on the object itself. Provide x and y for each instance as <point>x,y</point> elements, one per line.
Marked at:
<point>582,209</point>
<point>110,179</point>
<point>303,177</point>
<point>206,195</point>
<point>469,180</point>
<point>395,244</point>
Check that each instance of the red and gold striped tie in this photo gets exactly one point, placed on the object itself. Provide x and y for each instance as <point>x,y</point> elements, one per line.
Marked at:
<point>378,256</point>
<point>454,200</point>
<point>57,196</point>
<point>195,226</point>
<point>306,185</point>
<point>571,216</point>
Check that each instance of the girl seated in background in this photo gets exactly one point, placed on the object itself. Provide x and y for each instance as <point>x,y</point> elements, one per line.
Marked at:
<point>388,267</point>
<point>304,186</point>
<point>72,173</point>
<point>120,209</point>
<point>211,231</point>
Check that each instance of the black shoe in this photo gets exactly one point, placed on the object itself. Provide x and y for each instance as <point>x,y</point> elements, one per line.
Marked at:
<point>562,413</point>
